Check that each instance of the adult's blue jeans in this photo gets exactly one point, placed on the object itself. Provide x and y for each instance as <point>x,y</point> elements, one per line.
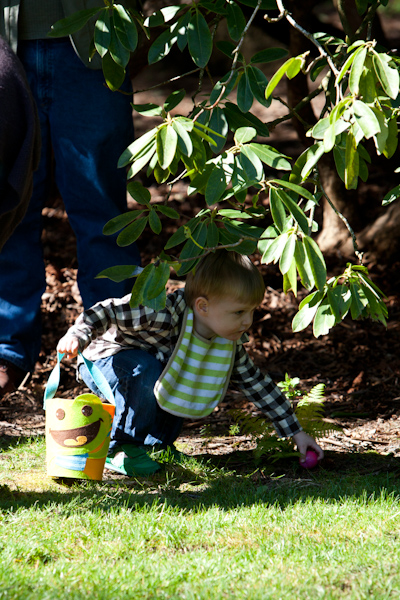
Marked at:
<point>87,127</point>
<point>138,419</point>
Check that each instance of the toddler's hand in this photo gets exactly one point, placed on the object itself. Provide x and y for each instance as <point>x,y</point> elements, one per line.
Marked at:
<point>68,345</point>
<point>304,442</point>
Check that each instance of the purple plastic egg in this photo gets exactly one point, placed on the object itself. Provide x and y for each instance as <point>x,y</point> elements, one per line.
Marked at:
<point>311,460</point>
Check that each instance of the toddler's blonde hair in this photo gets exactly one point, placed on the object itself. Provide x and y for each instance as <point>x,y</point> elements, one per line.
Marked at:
<point>225,274</point>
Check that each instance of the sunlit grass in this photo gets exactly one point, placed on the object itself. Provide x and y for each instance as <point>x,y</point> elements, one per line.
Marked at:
<point>200,530</point>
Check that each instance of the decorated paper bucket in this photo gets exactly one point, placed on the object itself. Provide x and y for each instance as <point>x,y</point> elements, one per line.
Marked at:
<point>77,431</point>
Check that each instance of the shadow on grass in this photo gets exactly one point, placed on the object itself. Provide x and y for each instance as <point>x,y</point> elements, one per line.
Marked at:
<point>225,482</point>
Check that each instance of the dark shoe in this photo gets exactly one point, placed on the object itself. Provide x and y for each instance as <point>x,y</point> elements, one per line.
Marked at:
<point>10,377</point>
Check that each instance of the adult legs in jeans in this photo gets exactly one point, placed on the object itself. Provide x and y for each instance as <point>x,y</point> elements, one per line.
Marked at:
<point>138,419</point>
<point>88,127</point>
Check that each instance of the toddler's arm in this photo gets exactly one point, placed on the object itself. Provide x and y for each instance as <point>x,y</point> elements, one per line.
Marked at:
<point>69,345</point>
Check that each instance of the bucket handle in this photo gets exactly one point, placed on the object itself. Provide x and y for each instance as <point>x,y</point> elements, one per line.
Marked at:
<point>97,376</point>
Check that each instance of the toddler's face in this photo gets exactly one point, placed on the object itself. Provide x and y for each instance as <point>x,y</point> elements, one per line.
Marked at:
<point>225,317</point>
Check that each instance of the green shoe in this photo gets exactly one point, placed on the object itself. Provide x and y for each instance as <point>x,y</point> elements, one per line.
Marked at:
<point>131,461</point>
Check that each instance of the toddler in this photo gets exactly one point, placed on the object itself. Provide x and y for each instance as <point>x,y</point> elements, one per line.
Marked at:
<point>175,363</point>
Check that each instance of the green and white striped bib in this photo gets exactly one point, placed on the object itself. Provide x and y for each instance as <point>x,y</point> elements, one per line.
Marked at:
<point>197,374</point>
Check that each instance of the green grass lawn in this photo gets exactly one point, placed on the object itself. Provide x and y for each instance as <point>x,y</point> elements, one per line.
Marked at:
<point>211,528</point>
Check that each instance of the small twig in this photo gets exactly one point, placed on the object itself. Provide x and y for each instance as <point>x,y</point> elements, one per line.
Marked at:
<point>284,12</point>
<point>153,87</point>
<point>345,221</point>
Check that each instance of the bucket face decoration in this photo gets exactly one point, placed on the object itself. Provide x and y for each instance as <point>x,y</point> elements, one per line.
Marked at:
<point>77,436</point>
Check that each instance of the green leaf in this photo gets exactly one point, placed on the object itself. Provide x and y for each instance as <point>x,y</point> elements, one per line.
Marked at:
<point>161,47</point>
<point>346,66</point>
<point>308,309</point>
<point>148,110</point>
<point>158,281</point>
<point>339,299</point>
<point>212,235</point>
<point>294,188</point>
<point>199,39</point>
<point>278,76</point>
<point>174,99</point>
<point>366,119</point>
<point>257,169</point>
<point>242,229</point>
<point>193,249</point>
<point>235,20</point>
<point>162,16</point>
<point>231,213</point>
<point>142,160</point>
<point>392,138</point>
<point>244,135</point>
<point>167,140</point>
<point>258,83</point>
<point>102,33</point>
<point>219,179</point>
<point>245,247</point>
<point>119,53</point>
<point>119,222</point>
<point>274,250</point>
<point>137,146</point>
<point>324,319</point>
<point>237,119</point>
<point>351,162</point>
<point>120,273</point>
<point>248,168</point>
<point>357,304</point>
<point>244,93</point>
<point>140,283</point>
<point>219,124</point>
<point>303,265</point>
<point>271,157</point>
<point>169,212</point>
<point>113,73</point>
<point>356,70</point>
<point>132,232</point>
<point>290,280</point>
<point>179,236</point>
<point>317,262</point>
<point>367,87</point>
<point>295,210</point>
<point>184,141</point>
<point>71,24</point>
<point>287,256</point>
<point>294,67</point>
<point>329,138</point>
<point>382,135</point>
<point>307,161</point>
<point>277,209</point>
<point>391,196</point>
<point>268,55</point>
<point>155,222</point>
<point>388,77</point>
<point>125,28</point>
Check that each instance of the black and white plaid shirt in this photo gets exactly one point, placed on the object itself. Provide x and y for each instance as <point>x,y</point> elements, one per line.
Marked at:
<point>112,326</point>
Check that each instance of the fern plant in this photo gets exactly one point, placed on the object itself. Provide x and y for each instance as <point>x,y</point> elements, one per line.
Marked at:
<point>309,410</point>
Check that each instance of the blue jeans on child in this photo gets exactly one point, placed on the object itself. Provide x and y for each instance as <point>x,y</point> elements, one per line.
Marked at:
<point>138,419</point>
<point>87,127</point>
